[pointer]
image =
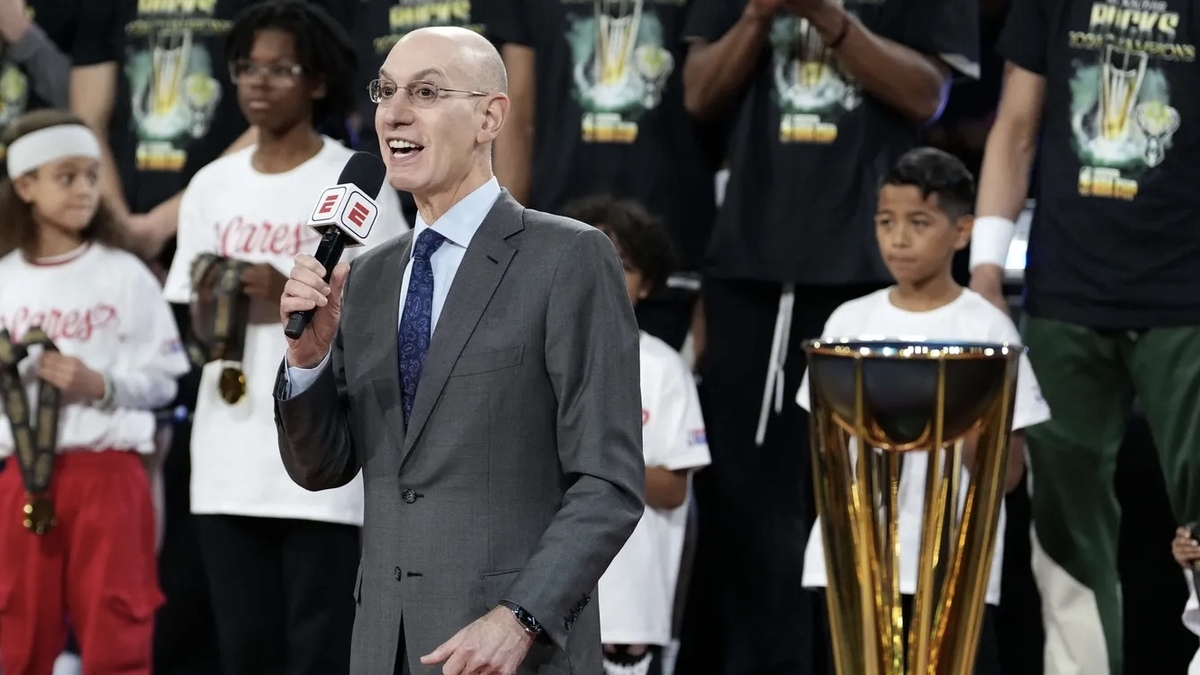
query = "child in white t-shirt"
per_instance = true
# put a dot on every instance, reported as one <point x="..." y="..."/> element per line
<point x="923" y="218"/>
<point x="1187" y="554"/>
<point x="637" y="592"/>
<point x="114" y="356"/>
<point x="281" y="560"/>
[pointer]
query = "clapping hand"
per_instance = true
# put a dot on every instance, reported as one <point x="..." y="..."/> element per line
<point x="494" y="644"/>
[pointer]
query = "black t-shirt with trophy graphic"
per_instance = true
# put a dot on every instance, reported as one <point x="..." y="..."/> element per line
<point x="1115" y="241"/>
<point x="609" y="114"/>
<point x="809" y="146"/>
<point x="177" y="109"/>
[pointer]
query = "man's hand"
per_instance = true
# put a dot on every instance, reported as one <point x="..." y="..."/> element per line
<point x="988" y="281"/>
<point x="494" y="644"/>
<point x="263" y="282"/>
<point x="760" y="9"/>
<point x="74" y="379"/>
<point x="307" y="290"/>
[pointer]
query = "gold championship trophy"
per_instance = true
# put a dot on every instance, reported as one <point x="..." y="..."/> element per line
<point x="899" y="398"/>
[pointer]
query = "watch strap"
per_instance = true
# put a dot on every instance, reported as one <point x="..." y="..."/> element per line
<point x="527" y="620"/>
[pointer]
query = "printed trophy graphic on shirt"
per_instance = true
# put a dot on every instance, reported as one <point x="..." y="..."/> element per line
<point x="1158" y="122"/>
<point x="620" y="68"/>
<point x="14" y="93"/>
<point x="1121" y="114"/>
<point x="175" y="95"/>
<point x="899" y="398"/>
<point x="811" y="89"/>
<point x="1121" y="75"/>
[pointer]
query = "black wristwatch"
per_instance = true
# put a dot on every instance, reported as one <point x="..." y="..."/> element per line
<point x="524" y="618"/>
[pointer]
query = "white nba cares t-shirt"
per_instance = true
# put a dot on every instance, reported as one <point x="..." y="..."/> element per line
<point x="637" y="593"/>
<point x="969" y="318"/>
<point x="103" y="306"/>
<point x="232" y="210"/>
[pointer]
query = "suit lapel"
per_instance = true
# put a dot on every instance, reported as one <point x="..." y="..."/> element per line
<point x="385" y="323"/>
<point x="484" y="265"/>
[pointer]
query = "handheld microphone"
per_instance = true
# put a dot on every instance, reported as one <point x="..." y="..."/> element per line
<point x="344" y="216"/>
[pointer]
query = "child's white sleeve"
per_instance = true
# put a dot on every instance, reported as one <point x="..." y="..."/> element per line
<point x="1030" y="408"/>
<point x="679" y="411"/>
<point x="194" y="235"/>
<point x="151" y="357"/>
<point x="835" y="326"/>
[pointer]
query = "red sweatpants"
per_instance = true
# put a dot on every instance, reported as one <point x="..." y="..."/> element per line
<point x="95" y="568"/>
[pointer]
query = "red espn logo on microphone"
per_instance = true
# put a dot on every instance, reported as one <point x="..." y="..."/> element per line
<point x="347" y="208"/>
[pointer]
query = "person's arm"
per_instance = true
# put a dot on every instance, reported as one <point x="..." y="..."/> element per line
<point x="666" y="489"/>
<point x="93" y="91"/>
<point x="146" y="376"/>
<point x="29" y="47"/>
<point x="593" y="368"/>
<point x="1015" y="467"/>
<point x="716" y="70"/>
<point x="312" y="422"/>
<point x="514" y="146"/>
<point x="910" y="82"/>
<point x="1004" y="179"/>
<point x="1011" y="146"/>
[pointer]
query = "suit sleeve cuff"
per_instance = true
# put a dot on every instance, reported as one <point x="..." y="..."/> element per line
<point x="298" y="380"/>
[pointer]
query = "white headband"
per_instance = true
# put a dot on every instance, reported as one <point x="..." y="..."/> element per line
<point x="49" y="145"/>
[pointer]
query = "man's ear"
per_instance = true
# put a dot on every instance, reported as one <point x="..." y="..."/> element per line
<point x="963" y="228"/>
<point x="495" y="113"/>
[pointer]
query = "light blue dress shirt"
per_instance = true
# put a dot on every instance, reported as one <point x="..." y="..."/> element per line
<point x="458" y="226"/>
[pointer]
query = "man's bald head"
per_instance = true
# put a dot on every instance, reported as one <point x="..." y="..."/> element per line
<point x="467" y="51"/>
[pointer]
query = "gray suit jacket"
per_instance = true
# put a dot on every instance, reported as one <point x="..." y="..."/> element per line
<point x="521" y="474"/>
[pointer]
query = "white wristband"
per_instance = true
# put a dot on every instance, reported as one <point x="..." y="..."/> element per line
<point x="990" y="241"/>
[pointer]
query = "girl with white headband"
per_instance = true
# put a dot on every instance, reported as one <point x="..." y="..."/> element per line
<point x="85" y="551"/>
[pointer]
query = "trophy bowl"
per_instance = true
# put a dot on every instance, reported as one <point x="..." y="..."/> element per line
<point x="900" y="387"/>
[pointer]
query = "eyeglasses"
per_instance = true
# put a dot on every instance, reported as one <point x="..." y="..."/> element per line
<point x="420" y="94"/>
<point x="276" y="73"/>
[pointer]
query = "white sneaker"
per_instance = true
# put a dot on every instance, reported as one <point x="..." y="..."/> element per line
<point x="68" y="664"/>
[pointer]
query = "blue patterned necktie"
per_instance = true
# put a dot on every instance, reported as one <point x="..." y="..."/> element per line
<point x="416" y="324"/>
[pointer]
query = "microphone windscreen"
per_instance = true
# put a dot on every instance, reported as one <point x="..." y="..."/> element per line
<point x="365" y="171"/>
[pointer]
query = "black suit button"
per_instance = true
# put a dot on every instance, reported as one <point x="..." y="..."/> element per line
<point x="409" y="496"/>
<point x="396" y="573"/>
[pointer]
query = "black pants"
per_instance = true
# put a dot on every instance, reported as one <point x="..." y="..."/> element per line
<point x="282" y="592"/>
<point x="987" y="658"/>
<point x="185" y="634"/>
<point x="747" y="611"/>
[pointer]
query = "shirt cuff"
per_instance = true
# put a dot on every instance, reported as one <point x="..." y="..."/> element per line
<point x="300" y="379"/>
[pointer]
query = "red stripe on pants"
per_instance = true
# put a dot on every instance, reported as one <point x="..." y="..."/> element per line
<point x="95" y="568"/>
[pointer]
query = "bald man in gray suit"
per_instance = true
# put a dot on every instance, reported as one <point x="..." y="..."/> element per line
<point x="482" y="372"/>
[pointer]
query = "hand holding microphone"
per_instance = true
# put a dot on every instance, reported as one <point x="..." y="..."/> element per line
<point x="344" y="215"/>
